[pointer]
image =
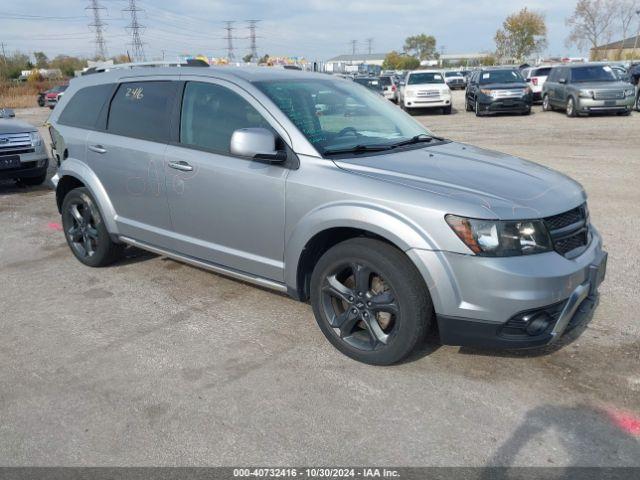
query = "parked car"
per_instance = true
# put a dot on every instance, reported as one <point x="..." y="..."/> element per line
<point x="455" y="80"/>
<point x="425" y="89"/>
<point x="42" y="101"/>
<point x="535" y="77"/>
<point x="498" y="90"/>
<point x="385" y="227"/>
<point x="587" y="88"/>
<point x="52" y="96"/>
<point x="22" y="153"/>
<point x="389" y="86"/>
<point x="372" y="83"/>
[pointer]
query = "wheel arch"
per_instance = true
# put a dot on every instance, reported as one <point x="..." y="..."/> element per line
<point x="326" y="227"/>
<point x="73" y="174"/>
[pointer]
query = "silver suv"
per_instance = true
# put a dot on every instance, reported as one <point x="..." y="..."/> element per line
<point x="582" y="89"/>
<point x="316" y="187"/>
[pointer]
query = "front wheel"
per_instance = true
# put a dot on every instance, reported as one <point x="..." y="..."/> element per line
<point x="546" y="103"/>
<point x="370" y="301"/>
<point x="571" y="107"/>
<point x="33" y="181"/>
<point x="477" y="109"/>
<point x="85" y="231"/>
<point x="447" y="110"/>
<point x="467" y="105"/>
<point x="638" y="102"/>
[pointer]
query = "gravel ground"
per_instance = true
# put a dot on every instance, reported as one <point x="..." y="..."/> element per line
<point x="151" y="362"/>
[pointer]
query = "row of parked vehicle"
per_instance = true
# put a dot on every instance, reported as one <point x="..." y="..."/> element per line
<point x="578" y="89"/>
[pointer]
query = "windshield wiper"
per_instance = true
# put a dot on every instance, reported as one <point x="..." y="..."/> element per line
<point x="358" y="149"/>
<point x="423" y="137"/>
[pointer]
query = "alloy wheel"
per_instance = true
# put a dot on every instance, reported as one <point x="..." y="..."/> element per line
<point x="545" y="103"/>
<point x="570" y="107"/>
<point x="82" y="232"/>
<point x="360" y="306"/>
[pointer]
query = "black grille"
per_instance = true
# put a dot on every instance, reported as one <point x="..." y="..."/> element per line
<point x="569" y="230"/>
<point x="4" y="152"/>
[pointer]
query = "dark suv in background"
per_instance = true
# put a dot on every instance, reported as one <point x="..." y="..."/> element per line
<point x="587" y="88"/>
<point x="498" y="90"/>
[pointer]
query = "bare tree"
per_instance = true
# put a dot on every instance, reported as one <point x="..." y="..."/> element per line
<point x="627" y="12"/>
<point x="591" y="23"/>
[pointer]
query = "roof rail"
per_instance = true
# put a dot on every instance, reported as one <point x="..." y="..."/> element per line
<point x="159" y="63"/>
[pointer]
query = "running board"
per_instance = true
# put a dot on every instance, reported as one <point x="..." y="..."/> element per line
<point x="245" y="277"/>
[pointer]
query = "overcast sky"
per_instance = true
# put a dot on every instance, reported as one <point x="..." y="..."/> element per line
<point x="316" y="29"/>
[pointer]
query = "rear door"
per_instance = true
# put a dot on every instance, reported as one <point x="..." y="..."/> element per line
<point x="128" y="157"/>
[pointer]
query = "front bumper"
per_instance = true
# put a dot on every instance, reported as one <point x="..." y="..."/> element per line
<point x="32" y="165"/>
<point x="589" y="105"/>
<point x="426" y="102"/>
<point x="481" y="301"/>
<point x="505" y="105"/>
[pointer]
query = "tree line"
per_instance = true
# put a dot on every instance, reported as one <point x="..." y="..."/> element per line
<point x="523" y="34"/>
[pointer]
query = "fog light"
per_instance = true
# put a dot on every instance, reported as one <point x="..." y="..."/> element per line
<point x="537" y="323"/>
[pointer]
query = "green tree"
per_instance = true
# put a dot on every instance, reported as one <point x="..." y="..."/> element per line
<point x="42" y="61"/>
<point x="68" y="65"/>
<point x="398" y="61"/>
<point x="122" y="58"/>
<point x="521" y="35"/>
<point x="247" y="58"/>
<point x="422" y="46"/>
<point x="12" y="65"/>
<point x="264" y="59"/>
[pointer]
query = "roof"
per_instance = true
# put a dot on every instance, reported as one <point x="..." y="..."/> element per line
<point x="248" y="74"/>
<point x="624" y="44"/>
<point x="363" y="57"/>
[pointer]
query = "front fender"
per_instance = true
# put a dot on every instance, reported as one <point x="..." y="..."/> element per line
<point x="80" y="171"/>
<point x="386" y="223"/>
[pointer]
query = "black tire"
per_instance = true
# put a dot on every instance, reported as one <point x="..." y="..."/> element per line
<point x="477" y="109"/>
<point x="638" y="102"/>
<point x="467" y="105"/>
<point x="33" y="181"/>
<point x="85" y="231"/>
<point x="387" y="282"/>
<point x="527" y="111"/>
<point x="447" y="110"/>
<point x="571" y="107"/>
<point x="546" y="103"/>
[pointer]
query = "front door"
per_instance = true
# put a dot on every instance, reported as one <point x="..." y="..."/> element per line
<point x="225" y="209"/>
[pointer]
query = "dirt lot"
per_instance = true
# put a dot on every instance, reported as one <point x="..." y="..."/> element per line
<point x="151" y="362"/>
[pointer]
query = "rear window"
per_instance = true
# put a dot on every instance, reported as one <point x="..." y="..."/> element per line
<point x="84" y="107"/>
<point x="143" y="110"/>
<point x="385" y="81"/>
<point x="541" y="72"/>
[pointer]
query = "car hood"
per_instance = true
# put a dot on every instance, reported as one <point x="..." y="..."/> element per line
<point x="490" y="184"/>
<point x="15" y="126"/>
<point x="601" y="85"/>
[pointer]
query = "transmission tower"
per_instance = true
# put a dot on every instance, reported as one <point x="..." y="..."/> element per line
<point x="229" y="37"/>
<point x="354" y="44"/>
<point x="98" y="26"/>
<point x="252" y="37"/>
<point x="369" y="45"/>
<point x="137" y="46"/>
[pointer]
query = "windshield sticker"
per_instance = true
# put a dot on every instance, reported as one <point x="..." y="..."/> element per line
<point x="485" y="76"/>
<point x="135" y="93"/>
<point x="438" y="77"/>
<point x="607" y="68"/>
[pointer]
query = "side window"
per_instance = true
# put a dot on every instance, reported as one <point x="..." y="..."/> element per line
<point x="143" y="110"/>
<point x="562" y="74"/>
<point x="210" y="115"/>
<point x="553" y="75"/>
<point x="84" y="107"/>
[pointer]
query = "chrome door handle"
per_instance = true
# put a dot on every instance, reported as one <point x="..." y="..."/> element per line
<point x="181" y="165"/>
<point x="97" y="148"/>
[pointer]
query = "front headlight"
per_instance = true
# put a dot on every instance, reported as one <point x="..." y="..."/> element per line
<point x="629" y="92"/>
<point x="586" y="93"/>
<point x="36" y="139"/>
<point x="486" y="92"/>
<point x="496" y="238"/>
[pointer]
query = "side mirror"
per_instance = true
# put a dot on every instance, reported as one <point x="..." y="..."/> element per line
<point x="258" y="143"/>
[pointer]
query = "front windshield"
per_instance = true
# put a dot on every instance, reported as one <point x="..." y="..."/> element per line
<point x="592" y="73"/>
<point x="336" y="115"/>
<point x="420" y="78"/>
<point x="501" y="76"/>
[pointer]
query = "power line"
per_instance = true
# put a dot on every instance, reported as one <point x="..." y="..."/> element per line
<point x="137" y="46"/>
<point x="252" y="37"/>
<point x="98" y="26"/>
<point x="229" y="37"/>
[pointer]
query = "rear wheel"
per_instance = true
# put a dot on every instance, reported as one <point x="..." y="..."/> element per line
<point x="85" y="231"/>
<point x="370" y="301"/>
<point x="546" y="103"/>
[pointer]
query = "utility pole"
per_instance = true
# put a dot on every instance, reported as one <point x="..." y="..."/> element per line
<point x="98" y="26"/>
<point x="134" y="28"/>
<point x="229" y="37"/>
<point x="369" y="45"/>
<point x="252" y="38"/>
